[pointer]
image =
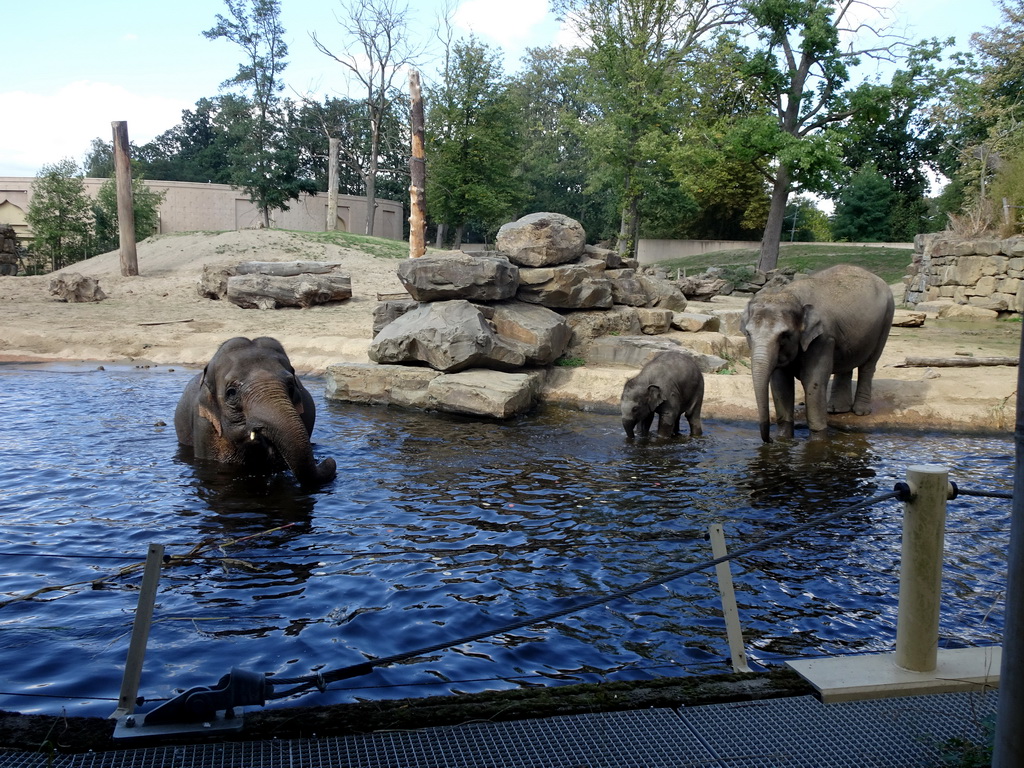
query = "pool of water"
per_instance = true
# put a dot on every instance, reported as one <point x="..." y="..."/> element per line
<point x="440" y="527"/>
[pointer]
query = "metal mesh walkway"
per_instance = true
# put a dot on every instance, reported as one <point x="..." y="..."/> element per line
<point x="793" y="732"/>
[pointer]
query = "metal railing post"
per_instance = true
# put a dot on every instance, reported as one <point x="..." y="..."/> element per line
<point x="924" y="526"/>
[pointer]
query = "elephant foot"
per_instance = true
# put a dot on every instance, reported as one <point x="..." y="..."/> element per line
<point x="840" y="407"/>
<point x="862" y="410"/>
<point x="785" y="431"/>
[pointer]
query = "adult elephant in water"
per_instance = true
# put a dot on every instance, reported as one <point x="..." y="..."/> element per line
<point x="249" y="408"/>
<point x="832" y="322"/>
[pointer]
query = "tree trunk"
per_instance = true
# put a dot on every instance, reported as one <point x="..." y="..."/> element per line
<point x="417" y="173"/>
<point x="442" y="230"/>
<point x="769" y="258"/>
<point x="459" y="232"/>
<point x="332" y="185"/>
<point x="125" y="208"/>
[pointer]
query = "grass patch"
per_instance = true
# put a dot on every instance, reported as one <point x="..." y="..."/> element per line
<point x="380" y="247"/>
<point x="888" y="263"/>
<point x="570" y="362"/>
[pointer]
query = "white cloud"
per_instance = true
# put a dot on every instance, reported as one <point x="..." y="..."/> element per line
<point x="47" y="128"/>
<point x="509" y="24"/>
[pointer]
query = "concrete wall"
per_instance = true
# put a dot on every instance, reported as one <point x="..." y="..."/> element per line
<point x="650" y="251"/>
<point x="190" y="207"/>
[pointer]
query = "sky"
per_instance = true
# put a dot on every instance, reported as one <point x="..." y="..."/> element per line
<point x="71" y="68"/>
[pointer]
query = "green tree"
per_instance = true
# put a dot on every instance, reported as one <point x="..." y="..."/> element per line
<point x="99" y="160"/>
<point x="59" y="214"/>
<point x="262" y="163"/>
<point x="728" y="188"/>
<point x="472" y="143"/>
<point x="900" y="139"/>
<point x="805" y="222"/>
<point x="199" y="148"/>
<point x="864" y="208"/>
<point x="983" y="113"/>
<point x="800" y="69"/>
<point x="633" y="54"/>
<point x="555" y="163"/>
<point x="145" y="205"/>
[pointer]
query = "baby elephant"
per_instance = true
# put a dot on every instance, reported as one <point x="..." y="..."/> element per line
<point x="670" y="385"/>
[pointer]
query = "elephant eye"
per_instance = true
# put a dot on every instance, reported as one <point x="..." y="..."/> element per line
<point x="231" y="392"/>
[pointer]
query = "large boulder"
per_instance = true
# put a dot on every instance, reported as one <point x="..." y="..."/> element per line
<point x="570" y="286"/>
<point x="541" y="240"/>
<point x="541" y="333"/>
<point x="587" y="326"/>
<point x="73" y="287"/>
<point x="485" y="393"/>
<point x="448" y="336"/>
<point x="459" y="275"/>
<point x="663" y="294"/>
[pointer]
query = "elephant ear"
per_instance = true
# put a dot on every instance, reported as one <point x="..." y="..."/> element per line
<point x="813" y="326"/>
<point x="654" y="395"/>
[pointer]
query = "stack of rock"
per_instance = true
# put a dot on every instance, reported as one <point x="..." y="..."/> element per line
<point x="478" y="330"/>
<point x="8" y="250"/>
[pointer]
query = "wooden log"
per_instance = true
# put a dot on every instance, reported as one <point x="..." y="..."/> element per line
<point x="956" y="362"/>
<point x="125" y="208"/>
<point x="286" y="268"/>
<point x="270" y="291"/>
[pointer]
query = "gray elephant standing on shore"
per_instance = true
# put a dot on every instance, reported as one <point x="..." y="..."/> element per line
<point x="832" y="322"/>
<point x="670" y="385"/>
<point x="249" y="408"/>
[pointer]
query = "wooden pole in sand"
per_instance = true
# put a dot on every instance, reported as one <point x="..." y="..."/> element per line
<point x="417" y="173"/>
<point x="332" y="185"/>
<point x="125" y="209"/>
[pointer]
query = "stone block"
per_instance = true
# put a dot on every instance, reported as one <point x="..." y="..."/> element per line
<point x="541" y="333"/>
<point x="373" y="384"/>
<point x="967" y="312"/>
<point x="988" y="302"/>
<point x="654" y="321"/>
<point x="587" y="326"/>
<point x="487" y="393"/>
<point x="564" y="287"/>
<point x="458" y="275"/>
<point x="729" y="321"/>
<point x="693" y="322"/>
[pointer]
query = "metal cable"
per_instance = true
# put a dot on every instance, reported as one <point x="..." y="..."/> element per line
<point x="320" y="681"/>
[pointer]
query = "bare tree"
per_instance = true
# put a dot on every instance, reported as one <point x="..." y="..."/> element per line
<point x="380" y="30"/>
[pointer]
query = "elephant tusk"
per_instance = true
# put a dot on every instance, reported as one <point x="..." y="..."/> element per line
<point x="252" y="436"/>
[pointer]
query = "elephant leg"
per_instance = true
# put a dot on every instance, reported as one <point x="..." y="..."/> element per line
<point x="784" y="396"/>
<point x="815" y="395"/>
<point x="841" y="400"/>
<point x="668" y="422"/>
<point x="645" y="424"/>
<point x="865" y="378"/>
<point x="693" y="419"/>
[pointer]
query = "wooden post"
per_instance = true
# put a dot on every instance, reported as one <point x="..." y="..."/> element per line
<point x="125" y="209"/>
<point x="924" y="527"/>
<point x="140" y="632"/>
<point x="417" y="173"/>
<point x="332" y="186"/>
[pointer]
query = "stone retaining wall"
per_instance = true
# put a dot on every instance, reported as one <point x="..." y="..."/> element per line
<point x="986" y="273"/>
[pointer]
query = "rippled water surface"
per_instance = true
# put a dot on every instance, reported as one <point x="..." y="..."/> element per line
<point x="437" y="528"/>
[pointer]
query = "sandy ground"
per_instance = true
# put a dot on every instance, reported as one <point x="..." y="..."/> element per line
<point x="158" y="318"/>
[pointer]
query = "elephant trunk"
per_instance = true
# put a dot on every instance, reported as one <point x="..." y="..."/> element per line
<point x="272" y="416"/>
<point x="762" y="365"/>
